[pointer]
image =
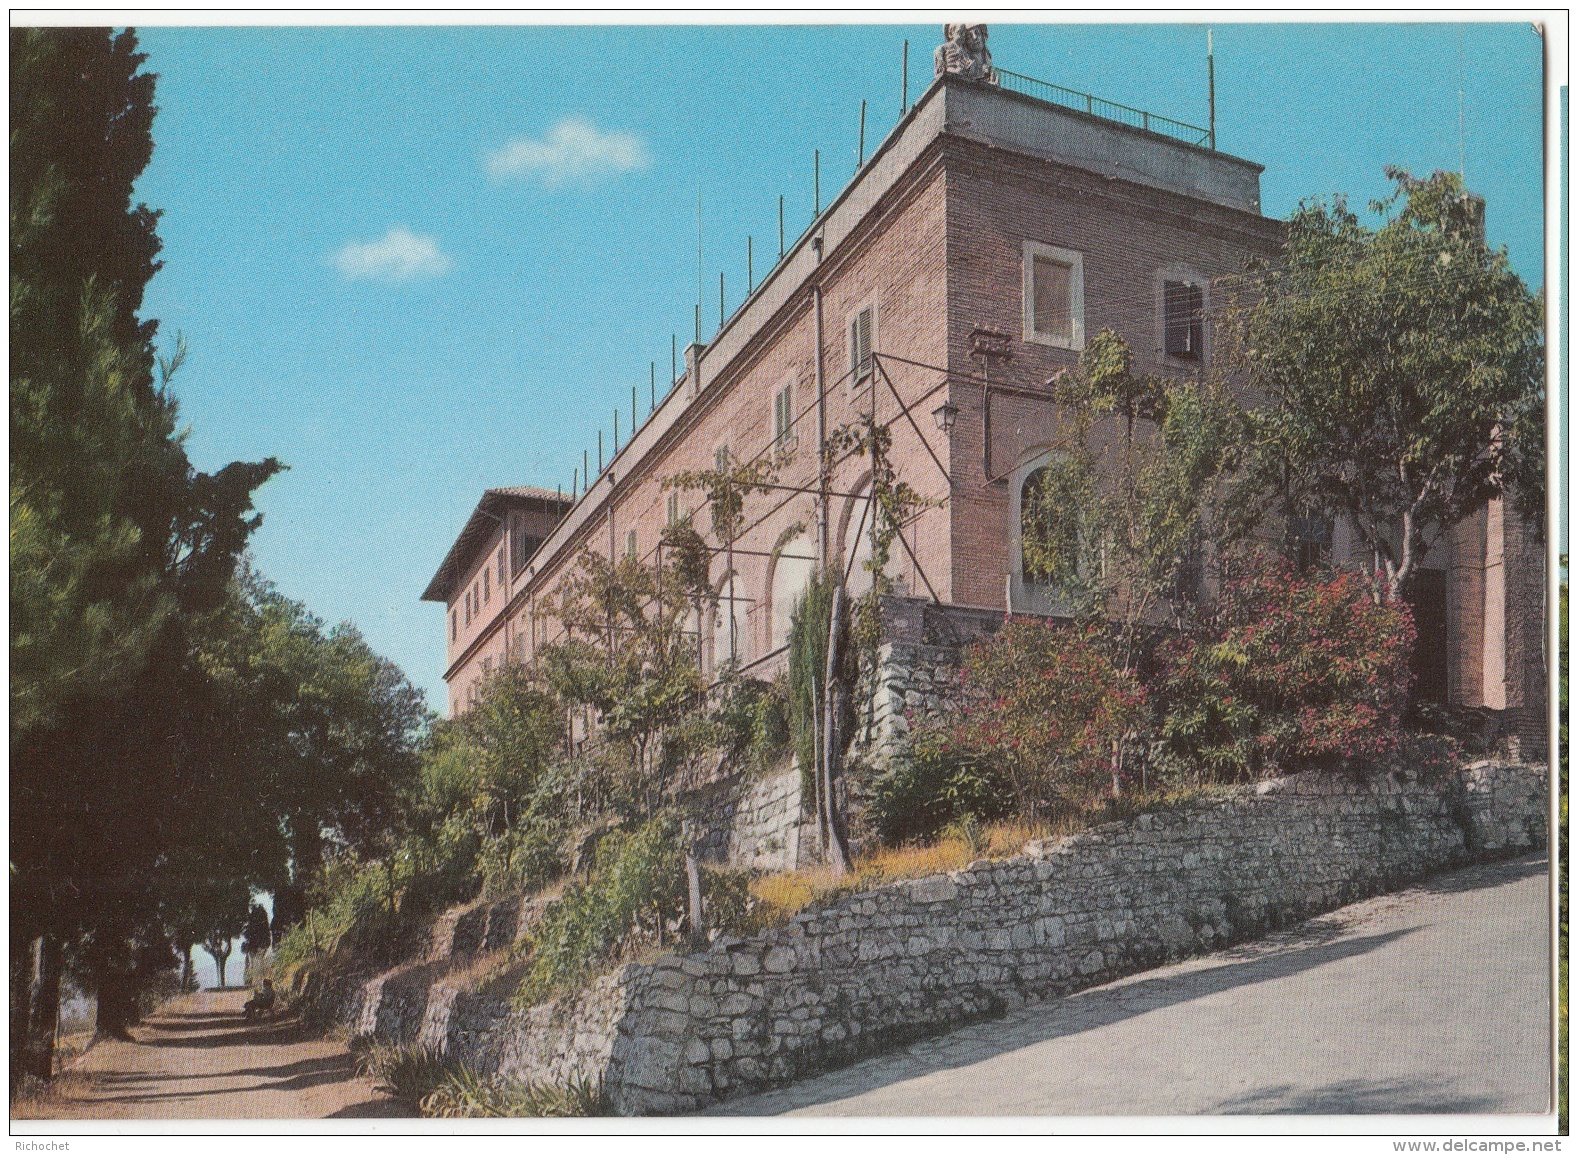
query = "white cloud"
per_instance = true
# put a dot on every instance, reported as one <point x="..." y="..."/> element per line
<point x="400" y="255"/>
<point x="572" y="150"/>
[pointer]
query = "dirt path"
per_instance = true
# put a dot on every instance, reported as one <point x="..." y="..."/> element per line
<point x="197" y="1059"/>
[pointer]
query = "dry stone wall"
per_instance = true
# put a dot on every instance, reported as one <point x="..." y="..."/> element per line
<point x="766" y="828"/>
<point x="865" y="972"/>
<point x="858" y="974"/>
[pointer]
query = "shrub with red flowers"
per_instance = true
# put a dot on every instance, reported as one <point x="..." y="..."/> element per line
<point x="1050" y="707"/>
<point x="1289" y="672"/>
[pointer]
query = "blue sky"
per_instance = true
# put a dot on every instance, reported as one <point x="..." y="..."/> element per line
<point x="414" y="263"/>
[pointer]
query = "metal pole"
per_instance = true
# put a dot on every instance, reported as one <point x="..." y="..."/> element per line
<point x="575" y="482"/>
<point x="599" y="453"/>
<point x="633" y="421"/>
<point x="652" y="385"/>
<point x="860" y="161"/>
<point x="586" y="473"/>
<point x="701" y="286"/>
<point x="816" y="181"/>
<point x="904" y="90"/>
<point x="673" y="359"/>
<point x="824" y="515"/>
<point x="1210" y="80"/>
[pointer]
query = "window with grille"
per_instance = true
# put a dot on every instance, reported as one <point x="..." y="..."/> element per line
<point x="630" y="545"/>
<point x="720" y="459"/>
<point x="1309" y="539"/>
<point x="673" y="509"/>
<point x="783" y="417"/>
<point x="860" y="345"/>
<point x="1183" y="320"/>
<point x="1054" y="296"/>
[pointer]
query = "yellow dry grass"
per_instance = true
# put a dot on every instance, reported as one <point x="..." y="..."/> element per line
<point x="784" y="894"/>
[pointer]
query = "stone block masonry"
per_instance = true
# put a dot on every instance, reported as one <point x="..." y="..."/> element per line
<point x="868" y="971"/>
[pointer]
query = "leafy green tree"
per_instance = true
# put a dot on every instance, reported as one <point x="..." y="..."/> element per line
<point x="219" y="910"/>
<point x="1404" y="365"/>
<point x="1142" y="484"/>
<point x="323" y="739"/>
<point x="117" y="543"/>
<point x="727" y="485"/>
<point x="629" y="657"/>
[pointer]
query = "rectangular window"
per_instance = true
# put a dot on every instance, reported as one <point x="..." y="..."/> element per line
<point x="1183" y="320"/>
<point x="517" y="540"/>
<point x="720" y="459"/>
<point x="630" y="545"/>
<point x="487" y="585"/>
<point x="860" y="345"/>
<point x="468" y="606"/>
<point x="1054" y="292"/>
<point x="454" y="624"/>
<point x="504" y="584"/>
<point x="783" y="416"/>
<point x="673" y="509"/>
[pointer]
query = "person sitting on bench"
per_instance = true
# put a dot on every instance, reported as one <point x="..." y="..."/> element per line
<point x="260" y="1003"/>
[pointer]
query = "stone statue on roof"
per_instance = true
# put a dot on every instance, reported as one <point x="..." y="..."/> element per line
<point x="963" y="52"/>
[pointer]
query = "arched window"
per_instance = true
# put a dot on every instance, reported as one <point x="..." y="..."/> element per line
<point x="1045" y="532"/>
<point x="791" y="574"/>
<point x="728" y="626"/>
<point x="856" y="552"/>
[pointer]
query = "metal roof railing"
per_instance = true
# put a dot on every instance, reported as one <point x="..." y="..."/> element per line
<point x="1106" y="109"/>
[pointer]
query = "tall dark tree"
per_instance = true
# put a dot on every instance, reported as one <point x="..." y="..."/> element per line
<point x="117" y="545"/>
<point x="257" y="935"/>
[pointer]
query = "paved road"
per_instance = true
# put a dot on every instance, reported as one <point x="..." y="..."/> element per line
<point x="1434" y="1000"/>
<point x="196" y="1059"/>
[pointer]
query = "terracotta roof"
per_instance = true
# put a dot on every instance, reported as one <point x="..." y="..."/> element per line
<point x="479" y="529"/>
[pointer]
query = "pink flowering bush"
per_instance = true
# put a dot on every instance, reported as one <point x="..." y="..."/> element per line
<point x="1048" y="705"/>
<point x="1289" y="672"/>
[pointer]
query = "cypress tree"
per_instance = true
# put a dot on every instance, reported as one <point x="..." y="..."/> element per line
<point x="117" y="544"/>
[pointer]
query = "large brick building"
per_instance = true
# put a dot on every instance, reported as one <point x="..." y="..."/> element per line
<point x="984" y="208"/>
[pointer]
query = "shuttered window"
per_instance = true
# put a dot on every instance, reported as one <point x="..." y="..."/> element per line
<point x="1183" y="320"/>
<point x="783" y="416"/>
<point x="1054" y="310"/>
<point x="860" y="345"/>
<point x="1054" y="296"/>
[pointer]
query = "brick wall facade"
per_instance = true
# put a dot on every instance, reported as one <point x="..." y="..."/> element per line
<point x="932" y="237"/>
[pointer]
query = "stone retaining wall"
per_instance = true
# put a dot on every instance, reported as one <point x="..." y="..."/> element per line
<point x="413" y="1002"/>
<point x="867" y="971"/>
<point x="766" y="827"/>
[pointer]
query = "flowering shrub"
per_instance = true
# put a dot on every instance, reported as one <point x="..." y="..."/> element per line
<point x="1290" y="672"/>
<point x="1047" y="704"/>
